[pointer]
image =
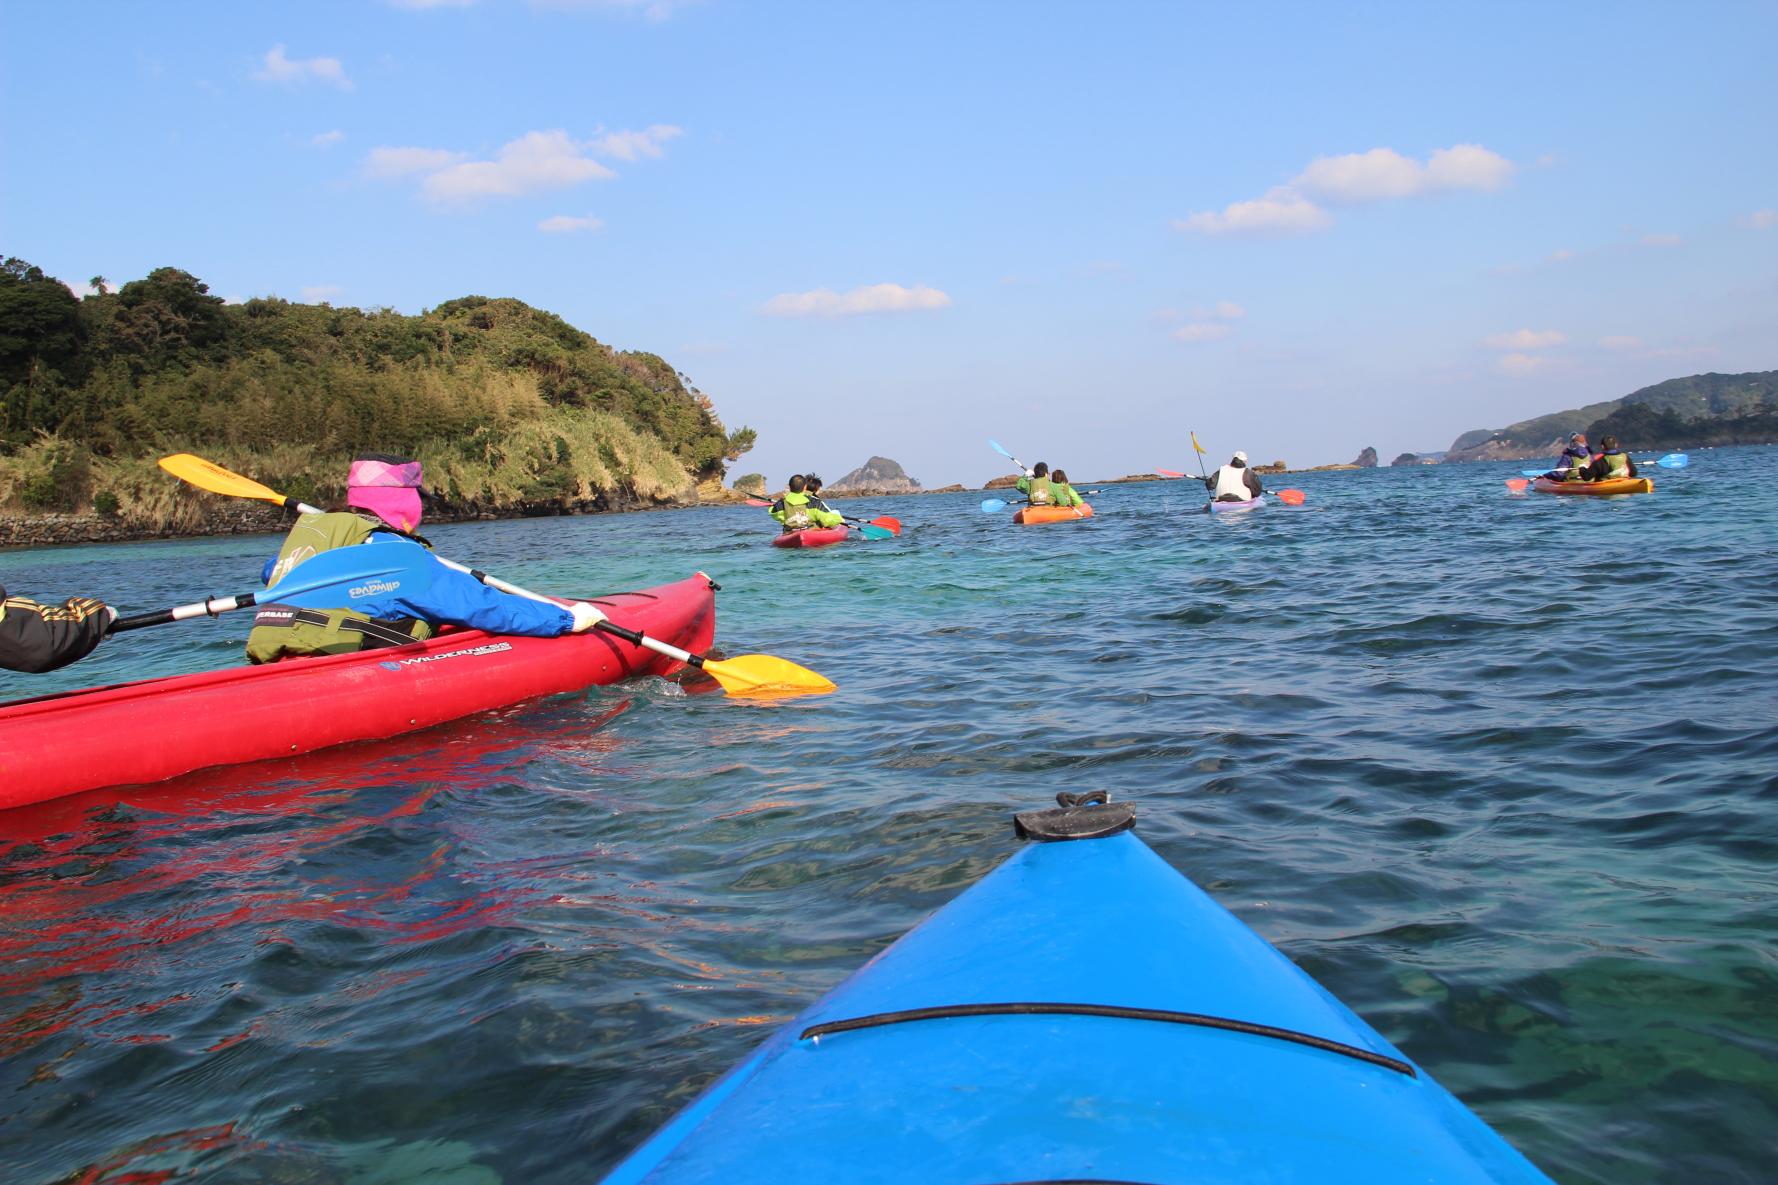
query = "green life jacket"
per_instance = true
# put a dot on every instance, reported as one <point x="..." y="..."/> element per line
<point x="797" y="515"/>
<point x="1040" y="492"/>
<point x="1616" y="465"/>
<point x="282" y="631"/>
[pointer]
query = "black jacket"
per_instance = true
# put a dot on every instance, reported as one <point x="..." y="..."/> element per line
<point x="36" y="638"/>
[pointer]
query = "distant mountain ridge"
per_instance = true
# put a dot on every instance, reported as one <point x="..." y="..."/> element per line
<point x="1702" y="409"/>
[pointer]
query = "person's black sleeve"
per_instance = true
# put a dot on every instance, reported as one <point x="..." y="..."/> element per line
<point x="1253" y="486"/>
<point x="37" y="638"/>
<point x="1632" y="461"/>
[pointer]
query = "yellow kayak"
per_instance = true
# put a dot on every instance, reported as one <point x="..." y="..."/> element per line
<point x="1611" y="485"/>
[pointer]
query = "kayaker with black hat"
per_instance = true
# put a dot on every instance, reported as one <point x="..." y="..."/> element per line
<point x="35" y="638"/>
<point x="1036" y="487"/>
<point x="382" y="510"/>
<point x="812" y="487"/>
<point x="798" y="512"/>
<point x="1612" y="462"/>
<point x="1234" y="482"/>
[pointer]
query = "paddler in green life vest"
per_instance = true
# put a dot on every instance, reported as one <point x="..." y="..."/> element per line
<point x="797" y="512"/>
<point x="382" y="509"/>
<point x="1065" y="495"/>
<point x="1036" y="487"/>
<point x="1612" y="462"/>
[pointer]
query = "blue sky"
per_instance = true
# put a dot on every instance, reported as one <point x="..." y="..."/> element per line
<point x="1081" y="229"/>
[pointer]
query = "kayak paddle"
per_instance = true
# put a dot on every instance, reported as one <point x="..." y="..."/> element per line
<point x="995" y="445"/>
<point x="1169" y="473"/>
<point x="1670" y="461"/>
<point x="320" y="582"/>
<point x="750" y="674"/>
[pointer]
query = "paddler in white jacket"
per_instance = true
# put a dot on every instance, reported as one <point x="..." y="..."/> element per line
<point x="1234" y="482"/>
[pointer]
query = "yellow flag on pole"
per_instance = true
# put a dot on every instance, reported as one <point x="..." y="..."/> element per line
<point x="1195" y="443"/>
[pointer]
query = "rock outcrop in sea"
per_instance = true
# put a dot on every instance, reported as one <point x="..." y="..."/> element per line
<point x="1367" y="459"/>
<point x="879" y="475"/>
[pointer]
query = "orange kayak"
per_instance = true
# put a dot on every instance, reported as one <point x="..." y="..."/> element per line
<point x="1611" y="485"/>
<point x="1052" y="514"/>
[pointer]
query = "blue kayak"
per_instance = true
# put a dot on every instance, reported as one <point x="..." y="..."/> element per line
<point x="1084" y="1013"/>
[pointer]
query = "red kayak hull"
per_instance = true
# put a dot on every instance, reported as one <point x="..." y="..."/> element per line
<point x="811" y="537"/>
<point x="155" y="729"/>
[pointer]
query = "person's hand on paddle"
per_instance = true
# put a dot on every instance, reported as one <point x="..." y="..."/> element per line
<point x="585" y="616"/>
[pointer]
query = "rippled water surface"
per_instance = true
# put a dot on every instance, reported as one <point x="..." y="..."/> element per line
<point x="1502" y="772"/>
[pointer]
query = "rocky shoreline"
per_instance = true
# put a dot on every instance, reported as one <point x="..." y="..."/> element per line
<point x="261" y="518"/>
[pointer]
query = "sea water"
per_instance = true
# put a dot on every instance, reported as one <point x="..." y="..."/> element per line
<point x="1499" y="770"/>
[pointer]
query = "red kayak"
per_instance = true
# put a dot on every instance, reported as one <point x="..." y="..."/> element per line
<point x="155" y="729"/>
<point x="811" y="537"/>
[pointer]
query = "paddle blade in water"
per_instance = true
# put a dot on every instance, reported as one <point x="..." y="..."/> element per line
<point x="765" y="675"/>
<point x="1517" y="484"/>
<point x="207" y="475"/>
<point x="990" y="505"/>
<point x="892" y="525"/>
<point x="1290" y="497"/>
<point x="1674" y="461"/>
<point x="872" y="531"/>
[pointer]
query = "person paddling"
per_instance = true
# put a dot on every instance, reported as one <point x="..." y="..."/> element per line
<point x="1612" y="462"/>
<point x="1036" y="487"/>
<point x="1573" y="460"/>
<point x="37" y="638"/>
<point x="382" y="510"/>
<point x="812" y="487"/>
<point x="797" y="512"/>
<point x="1234" y="482"/>
<point x="1065" y="494"/>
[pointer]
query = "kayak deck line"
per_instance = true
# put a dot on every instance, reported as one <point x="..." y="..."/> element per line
<point x="1116" y="1011"/>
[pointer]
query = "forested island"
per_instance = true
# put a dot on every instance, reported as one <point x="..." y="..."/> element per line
<point x="1694" y="412"/>
<point x="511" y="409"/>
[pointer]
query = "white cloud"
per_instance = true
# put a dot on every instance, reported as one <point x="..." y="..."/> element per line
<point x="568" y="223"/>
<point x="327" y="139"/>
<point x="321" y="292"/>
<point x="1661" y="240"/>
<point x="534" y="162"/>
<point x="1201" y="331"/>
<point x="1468" y="166"/>
<point x="1622" y="341"/>
<point x="399" y="162"/>
<point x="874" y="298"/>
<point x="1229" y="310"/>
<point x="1353" y="179"/>
<point x="1526" y="339"/>
<point x="275" y="67"/>
<point x="1280" y="212"/>
<point x="1559" y="255"/>
<point x="1522" y="364"/>
<point x="1362" y="176"/>
<point x="654" y="10"/>
<point x="1759" y="220"/>
<point x="635" y="145"/>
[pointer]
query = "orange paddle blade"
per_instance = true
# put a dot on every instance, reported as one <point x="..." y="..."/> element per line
<point x="892" y="525"/>
<point x="1169" y="473"/>
<point x="207" y="475"/>
<point x="1291" y="497"/>
<point x="1517" y="484"/>
<point x="765" y="675"/>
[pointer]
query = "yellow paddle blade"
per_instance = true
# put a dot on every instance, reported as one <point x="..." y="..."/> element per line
<point x="207" y="475"/>
<point x="764" y="675"/>
<point x="1195" y="443"/>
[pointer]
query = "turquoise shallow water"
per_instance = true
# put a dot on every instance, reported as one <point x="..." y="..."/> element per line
<point x="1525" y="824"/>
